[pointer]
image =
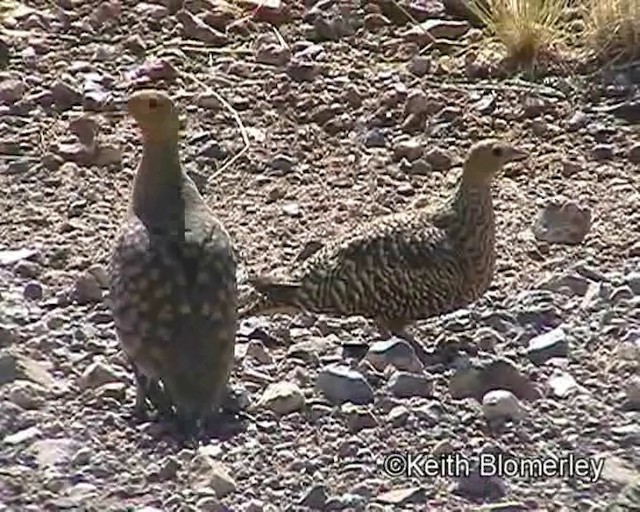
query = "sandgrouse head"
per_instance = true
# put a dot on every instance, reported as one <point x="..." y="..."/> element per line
<point x="487" y="157"/>
<point x="155" y="114"/>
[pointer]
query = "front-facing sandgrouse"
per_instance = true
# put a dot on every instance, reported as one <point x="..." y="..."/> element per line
<point x="402" y="267"/>
<point x="173" y="279"/>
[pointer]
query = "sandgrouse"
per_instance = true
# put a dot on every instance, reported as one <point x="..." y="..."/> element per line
<point x="173" y="279"/>
<point x="402" y="267"/>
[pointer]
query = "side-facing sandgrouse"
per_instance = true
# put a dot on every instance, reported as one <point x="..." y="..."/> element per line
<point x="173" y="279"/>
<point x="402" y="267"/>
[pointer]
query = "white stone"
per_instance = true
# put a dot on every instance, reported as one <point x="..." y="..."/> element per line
<point x="501" y="404"/>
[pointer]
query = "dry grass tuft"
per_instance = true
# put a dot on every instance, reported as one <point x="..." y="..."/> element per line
<point x="613" y="28"/>
<point x="7" y="8"/>
<point x="531" y="30"/>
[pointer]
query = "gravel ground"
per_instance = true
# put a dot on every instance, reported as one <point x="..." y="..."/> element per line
<point x="348" y="114"/>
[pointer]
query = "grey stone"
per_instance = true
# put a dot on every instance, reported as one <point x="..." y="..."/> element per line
<point x="11" y="256"/>
<point x="417" y="102"/>
<point x="302" y="71"/>
<point x="26" y="394"/>
<point x="257" y="350"/>
<point x="632" y="280"/>
<point x="576" y="121"/>
<point x="33" y="290"/>
<point x="562" y="384"/>
<point x="271" y="52"/>
<point x="439" y="159"/>
<point x="214" y="474"/>
<point x="375" y="138"/>
<point x="621" y="294"/>
<point x="54" y="452"/>
<point x="420" y="65"/>
<point x="342" y="384"/>
<point x="97" y="374"/>
<point x="399" y="415"/>
<point x="292" y="210"/>
<point x="8" y="335"/>
<point x="634" y="154"/>
<point x="22" y="436"/>
<point x="603" y="151"/>
<point x="315" y="498"/>
<point x="420" y="167"/>
<point x="550" y="344"/>
<point x="411" y="149"/>
<point x="632" y="392"/>
<point x="403" y="496"/>
<point x="395" y="352"/>
<point x="282" y="398"/>
<point x="472" y="379"/>
<point x="563" y="222"/>
<point x="500" y="404"/>
<point x="359" y="417"/>
<point x="13" y="367"/>
<point x="87" y="289"/>
<point x="405" y="384"/>
<point x="283" y="163"/>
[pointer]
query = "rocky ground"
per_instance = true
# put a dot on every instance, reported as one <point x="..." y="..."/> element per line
<point x="348" y="112"/>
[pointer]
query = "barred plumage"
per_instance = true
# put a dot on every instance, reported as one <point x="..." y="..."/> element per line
<point x="402" y="267"/>
<point x="173" y="278"/>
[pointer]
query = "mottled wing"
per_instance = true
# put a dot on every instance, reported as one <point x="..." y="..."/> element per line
<point x="397" y="267"/>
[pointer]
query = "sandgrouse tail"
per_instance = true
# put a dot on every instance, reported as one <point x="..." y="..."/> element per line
<point x="173" y="279"/>
<point x="402" y="267"/>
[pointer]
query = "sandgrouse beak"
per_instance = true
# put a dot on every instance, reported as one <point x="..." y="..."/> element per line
<point x="514" y="154"/>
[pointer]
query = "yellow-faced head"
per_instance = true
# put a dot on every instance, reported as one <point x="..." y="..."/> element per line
<point x="487" y="157"/>
<point x="155" y="114"/>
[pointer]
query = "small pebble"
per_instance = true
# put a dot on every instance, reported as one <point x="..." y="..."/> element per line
<point x="632" y="392"/>
<point x="87" y="288"/>
<point x="399" y="415"/>
<point x="28" y="269"/>
<point x="545" y="346"/>
<point x="27" y="395"/>
<point x="405" y="385"/>
<point x="411" y="149"/>
<point x="563" y="222"/>
<point x="359" y="417"/>
<point x="576" y="121"/>
<point x="417" y="102"/>
<point x="375" y="138"/>
<point x="632" y="280"/>
<point x="395" y="352"/>
<point x="634" y="154"/>
<point x="282" y="163"/>
<point x="439" y="159"/>
<point x="292" y="210"/>
<point x="315" y="498"/>
<point x="501" y="404"/>
<point x="97" y="374"/>
<point x="603" y="152"/>
<point x="420" y="65"/>
<point x="282" y="398"/>
<point x="341" y="384"/>
<point x="33" y="291"/>
<point x="420" y="167"/>
<point x="562" y="384"/>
